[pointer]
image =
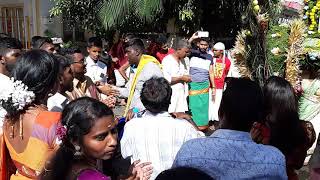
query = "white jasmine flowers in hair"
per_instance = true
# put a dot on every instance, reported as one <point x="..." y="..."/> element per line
<point x="17" y="94"/>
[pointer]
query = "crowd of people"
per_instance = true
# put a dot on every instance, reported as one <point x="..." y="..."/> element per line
<point x="183" y="117"/>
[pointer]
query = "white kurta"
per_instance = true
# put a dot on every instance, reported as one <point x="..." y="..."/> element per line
<point x="172" y="68"/>
<point x="156" y="139"/>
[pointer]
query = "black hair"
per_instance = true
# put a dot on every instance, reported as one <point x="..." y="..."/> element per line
<point x="79" y="116"/>
<point x="64" y="62"/>
<point x="7" y="43"/>
<point x="68" y="52"/>
<point x="41" y="41"/>
<point x="135" y="43"/>
<point x="241" y="104"/>
<point x="281" y="115"/>
<point x="38" y="70"/>
<point x="206" y="39"/>
<point x="34" y="39"/>
<point x="156" y="95"/>
<point x="279" y="97"/>
<point x="129" y="36"/>
<point x="161" y="40"/>
<point x="185" y="173"/>
<point x="94" y="41"/>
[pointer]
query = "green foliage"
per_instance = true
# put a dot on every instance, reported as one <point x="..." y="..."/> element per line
<point x="276" y="62"/>
<point x="100" y="16"/>
<point x="67" y="44"/>
<point x="79" y="14"/>
<point x="115" y="12"/>
<point x="187" y="14"/>
<point x="49" y="34"/>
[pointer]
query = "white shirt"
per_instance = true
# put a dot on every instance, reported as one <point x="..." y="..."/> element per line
<point x="173" y="68"/>
<point x="156" y="139"/>
<point x="96" y="71"/>
<point x="4" y="81"/>
<point x="57" y="102"/>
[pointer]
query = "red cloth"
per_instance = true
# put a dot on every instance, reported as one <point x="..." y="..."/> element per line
<point x="220" y="72"/>
<point x="153" y="49"/>
<point x="118" y="51"/>
<point x="160" y="55"/>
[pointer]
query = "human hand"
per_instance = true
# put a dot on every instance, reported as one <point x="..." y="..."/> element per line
<point x="186" y="78"/>
<point x="98" y="83"/>
<point x="195" y="36"/>
<point x="213" y="94"/>
<point x="108" y="90"/>
<point x="181" y="115"/>
<point x="185" y="116"/>
<point x="257" y="133"/>
<point x="140" y="171"/>
<point x="110" y="101"/>
<point x="115" y="59"/>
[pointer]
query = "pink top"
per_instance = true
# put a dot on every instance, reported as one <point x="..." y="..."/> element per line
<point x="90" y="174"/>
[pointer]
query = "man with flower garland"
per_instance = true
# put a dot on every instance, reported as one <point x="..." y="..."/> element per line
<point x="10" y="50"/>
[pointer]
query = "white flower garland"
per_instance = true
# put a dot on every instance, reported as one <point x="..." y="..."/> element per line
<point x="16" y="93"/>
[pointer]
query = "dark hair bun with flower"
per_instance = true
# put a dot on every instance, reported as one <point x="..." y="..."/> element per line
<point x="14" y="97"/>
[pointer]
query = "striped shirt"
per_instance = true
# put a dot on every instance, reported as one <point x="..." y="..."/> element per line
<point x="156" y="139"/>
<point x="200" y="65"/>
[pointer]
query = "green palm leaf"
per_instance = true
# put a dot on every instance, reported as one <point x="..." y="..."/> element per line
<point x="114" y="11"/>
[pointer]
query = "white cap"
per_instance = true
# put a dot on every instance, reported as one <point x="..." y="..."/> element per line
<point x="219" y="46"/>
<point x="57" y="40"/>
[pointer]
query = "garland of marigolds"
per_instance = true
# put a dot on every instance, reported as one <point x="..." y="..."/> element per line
<point x="312" y="14"/>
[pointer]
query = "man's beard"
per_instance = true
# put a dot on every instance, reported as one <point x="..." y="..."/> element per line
<point x="202" y="50"/>
<point x="10" y="67"/>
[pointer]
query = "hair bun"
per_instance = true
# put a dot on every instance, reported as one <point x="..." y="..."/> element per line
<point x="15" y="96"/>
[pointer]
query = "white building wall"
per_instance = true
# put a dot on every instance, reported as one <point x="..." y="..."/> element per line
<point x="36" y="17"/>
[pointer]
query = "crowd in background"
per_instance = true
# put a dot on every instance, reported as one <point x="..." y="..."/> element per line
<point x="183" y="116"/>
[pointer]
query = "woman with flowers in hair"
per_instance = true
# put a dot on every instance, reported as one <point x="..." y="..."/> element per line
<point x="89" y="135"/>
<point x="29" y="130"/>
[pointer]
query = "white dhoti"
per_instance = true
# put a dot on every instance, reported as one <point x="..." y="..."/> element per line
<point x="178" y="99"/>
<point x="214" y="105"/>
<point x="211" y="107"/>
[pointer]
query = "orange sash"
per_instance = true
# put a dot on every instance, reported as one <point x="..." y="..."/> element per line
<point x="7" y="167"/>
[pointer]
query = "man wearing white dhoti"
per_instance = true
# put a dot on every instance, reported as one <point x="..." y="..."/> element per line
<point x="176" y="73"/>
<point x="221" y="69"/>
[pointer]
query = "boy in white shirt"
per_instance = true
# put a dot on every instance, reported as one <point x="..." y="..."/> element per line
<point x="96" y="69"/>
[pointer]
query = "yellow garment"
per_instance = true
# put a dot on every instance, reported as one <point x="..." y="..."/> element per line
<point x="41" y="145"/>
<point x="145" y="59"/>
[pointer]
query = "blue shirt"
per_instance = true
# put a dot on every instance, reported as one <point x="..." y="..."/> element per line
<point x="199" y="65"/>
<point x="229" y="154"/>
